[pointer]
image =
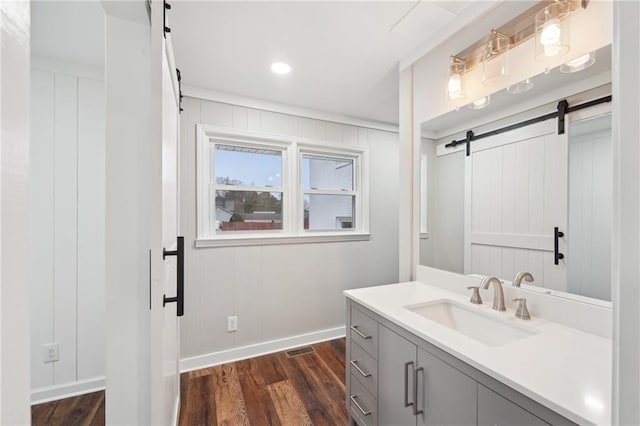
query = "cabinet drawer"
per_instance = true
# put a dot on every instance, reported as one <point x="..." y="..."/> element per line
<point x="362" y="405"/>
<point x="364" y="332"/>
<point x="365" y="368"/>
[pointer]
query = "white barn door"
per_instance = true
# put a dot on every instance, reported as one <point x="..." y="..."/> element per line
<point x="168" y="261"/>
<point x="516" y="187"/>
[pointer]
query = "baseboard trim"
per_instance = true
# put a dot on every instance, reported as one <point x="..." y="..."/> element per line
<point x="67" y="390"/>
<point x="264" y="348"/>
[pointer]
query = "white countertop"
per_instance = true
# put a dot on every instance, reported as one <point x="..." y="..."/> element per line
<point x="564" y="369"/>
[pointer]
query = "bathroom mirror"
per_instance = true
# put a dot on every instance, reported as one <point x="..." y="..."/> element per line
<point x="495" y="212"/>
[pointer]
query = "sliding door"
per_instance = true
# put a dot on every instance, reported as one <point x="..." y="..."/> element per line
<point x="516" y="187"/>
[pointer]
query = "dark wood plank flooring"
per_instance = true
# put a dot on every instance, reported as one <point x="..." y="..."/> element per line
<point x="83" y="410"/>
<point x="306" y="389"/>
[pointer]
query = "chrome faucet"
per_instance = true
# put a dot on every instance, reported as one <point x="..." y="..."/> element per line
<point x="520" y="276"/>
<point x="498" y="294"/>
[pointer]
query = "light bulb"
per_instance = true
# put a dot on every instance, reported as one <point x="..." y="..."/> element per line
<point x="550" y="37"/>
<point x="454" y="87"/>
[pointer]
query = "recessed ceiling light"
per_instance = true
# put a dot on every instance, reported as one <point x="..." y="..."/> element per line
<point x="280" y="68"/>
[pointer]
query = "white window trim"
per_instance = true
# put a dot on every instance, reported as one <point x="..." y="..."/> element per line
<point x="292" y="148"/>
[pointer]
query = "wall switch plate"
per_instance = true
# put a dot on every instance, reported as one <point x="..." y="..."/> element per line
<point x="51" y="352"/>
<point x="232" y="323"/>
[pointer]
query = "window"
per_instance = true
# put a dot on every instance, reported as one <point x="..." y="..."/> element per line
<point x="247" y="189"/>
<point x="328" y="192"/>
<point x="259" y="189"/>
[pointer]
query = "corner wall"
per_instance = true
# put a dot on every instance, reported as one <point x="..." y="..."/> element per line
<point x="283" y="295"/>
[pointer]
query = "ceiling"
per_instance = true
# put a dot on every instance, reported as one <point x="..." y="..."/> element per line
<point x="343" y="54"/>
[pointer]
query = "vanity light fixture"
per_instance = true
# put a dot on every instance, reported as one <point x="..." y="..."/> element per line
<point x="495" y="59"/>
<point x="552" y="30"/>
<point x="280" y="68"/>
<point x="480" y="103"/>
<point x="578" y="64"/>
<point x="455" y="88"/>
<point x="520" y="87"/>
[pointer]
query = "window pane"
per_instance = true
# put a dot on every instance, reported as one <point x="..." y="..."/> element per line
<point x="248" y="210"/>
<point x="327" y="173"/>
<point x="329" y="211"/>
<point x="235" y="165"/>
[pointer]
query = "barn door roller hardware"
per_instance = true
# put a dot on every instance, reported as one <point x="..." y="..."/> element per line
<point x="562" y="110"/>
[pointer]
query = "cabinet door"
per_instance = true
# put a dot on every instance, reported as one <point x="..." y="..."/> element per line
<point x="446" y="396"/>
<point x="393" y="353"/>
<point x="494" y="410"/>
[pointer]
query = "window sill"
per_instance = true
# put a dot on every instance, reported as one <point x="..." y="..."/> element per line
<point x="253" y="240"/>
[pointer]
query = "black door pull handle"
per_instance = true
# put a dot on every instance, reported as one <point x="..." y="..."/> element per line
<point x="179" y="298"/>
<point x="557" y="256"/>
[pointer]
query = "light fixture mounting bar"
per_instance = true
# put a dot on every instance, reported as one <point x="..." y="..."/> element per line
<point x="518" y="30"/>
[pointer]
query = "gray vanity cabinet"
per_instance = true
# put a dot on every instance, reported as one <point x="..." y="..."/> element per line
<point x="406" y="373"/>
<point x="391" y="372"/>
<point x="494" y="410"/>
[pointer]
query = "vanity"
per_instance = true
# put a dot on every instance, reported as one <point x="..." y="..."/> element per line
<point x="422" y="354"/>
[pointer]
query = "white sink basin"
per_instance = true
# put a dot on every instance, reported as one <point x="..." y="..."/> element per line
<point x="472" y="322"/>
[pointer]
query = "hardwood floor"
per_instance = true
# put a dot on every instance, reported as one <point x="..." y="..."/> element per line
<point x="307" y="389"/>
<point x="276" y="389"/>
<point x="83" y="410"/>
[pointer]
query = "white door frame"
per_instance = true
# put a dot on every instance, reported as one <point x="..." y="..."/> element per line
<point x="15" y="385"/>
<point x="625" y="260"/>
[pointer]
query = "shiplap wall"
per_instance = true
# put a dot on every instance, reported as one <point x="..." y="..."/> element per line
<point x="67" y="222"/>
<point x="590" y="195"/>
<point x="280" y="291"/>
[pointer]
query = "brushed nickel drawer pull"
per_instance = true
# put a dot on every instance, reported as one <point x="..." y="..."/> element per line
<point x="362" y="410"/>
<point x="416" y="411"/>
<point x="357" y="367"/>
<point x="406" y="384"/>
<point x="360" y="333"/>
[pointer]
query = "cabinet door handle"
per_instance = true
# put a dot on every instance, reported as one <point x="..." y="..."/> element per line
<point x="362" y="410"/>
<point x="406" y="383"/>
<point x="415" y="390"/>
<point x="357" y="367"/>
<point x="360" y="333"/>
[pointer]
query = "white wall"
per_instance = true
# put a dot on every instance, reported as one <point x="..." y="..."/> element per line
<point x="444" y="248"/>
<point x="280" y="291"/>
<point x="590" y="195"/>
<point x="67" y="223"/>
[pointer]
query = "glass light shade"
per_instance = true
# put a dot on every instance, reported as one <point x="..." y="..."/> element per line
<point x="553" y="30"/>
<point x="495" y="61"/>
<point x="578" y="64"/>
<point x="520" y="87"/>
<point x="455" y="89"/>
<point x="480" y="103"/>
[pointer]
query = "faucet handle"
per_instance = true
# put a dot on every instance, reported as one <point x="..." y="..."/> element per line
<point x="522" y="312"/>
<point x="475" y="296"/>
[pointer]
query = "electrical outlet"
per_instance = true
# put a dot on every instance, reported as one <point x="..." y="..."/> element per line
<point x="51" y="352"/>
<point x="232" y="323"/>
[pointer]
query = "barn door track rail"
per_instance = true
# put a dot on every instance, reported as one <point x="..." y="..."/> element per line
<point x="562" y="110"/>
